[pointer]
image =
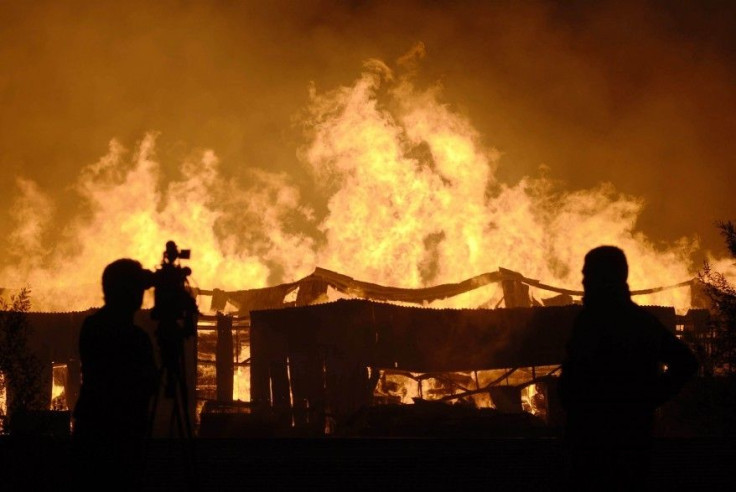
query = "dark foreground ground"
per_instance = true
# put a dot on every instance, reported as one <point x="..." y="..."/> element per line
<point x="379" y="464"/>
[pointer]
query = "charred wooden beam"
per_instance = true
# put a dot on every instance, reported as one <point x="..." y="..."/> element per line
<point x="224" y="358"/>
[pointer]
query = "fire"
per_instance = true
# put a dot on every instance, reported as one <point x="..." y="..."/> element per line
<point x="414" y="200"/>
<point x="131" y="215"/>
<point x="241" y="378"/>
<point x="58" y="387"/>
<point x="408" y="197"/>
<point x="533" y="400"/>
<point x="3" y="396"/>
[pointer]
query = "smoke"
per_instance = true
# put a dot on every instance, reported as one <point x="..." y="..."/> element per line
<point x="31" y="212"/>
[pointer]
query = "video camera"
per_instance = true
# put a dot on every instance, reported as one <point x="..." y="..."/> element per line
<point x="173" y="300"/>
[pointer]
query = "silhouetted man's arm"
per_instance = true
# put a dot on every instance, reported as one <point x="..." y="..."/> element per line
<point x="681" y="366"/>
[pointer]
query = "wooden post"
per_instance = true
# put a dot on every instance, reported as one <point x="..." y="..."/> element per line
<point x="73" y="382"/>
<point x="190" y="374"/>
<point x="280" y="390"/>
<point x="224" y="358"/>
<point x="307" y="386"/>
<point x="260" y="383"/>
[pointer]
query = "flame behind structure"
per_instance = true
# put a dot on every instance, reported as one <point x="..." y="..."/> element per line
<point x="403" y="193"/>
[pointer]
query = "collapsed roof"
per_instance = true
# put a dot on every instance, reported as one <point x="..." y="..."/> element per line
<point x="314" y="286"/>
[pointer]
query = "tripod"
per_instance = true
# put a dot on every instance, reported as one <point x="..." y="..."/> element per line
<point x="172" y="378"/>
<point x="172" y="375"/>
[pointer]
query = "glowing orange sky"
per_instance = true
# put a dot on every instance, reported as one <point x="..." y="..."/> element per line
<point x="637" y="94"/>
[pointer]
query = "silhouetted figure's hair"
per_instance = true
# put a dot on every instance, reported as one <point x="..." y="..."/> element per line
<point x="605" y="272"/>
<point x="613" y="378"/>
<point x="606" y="264"/>
<point x="123" y="283"/>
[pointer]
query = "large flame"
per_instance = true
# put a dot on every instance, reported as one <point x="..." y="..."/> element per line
<point x="239" y="236"/>
<point x="410" y="196"/>
<point x="414" y="200"/>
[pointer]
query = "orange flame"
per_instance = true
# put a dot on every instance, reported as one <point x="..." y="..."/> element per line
<point x="411" y="200"/>
<point x="416" y="202"/>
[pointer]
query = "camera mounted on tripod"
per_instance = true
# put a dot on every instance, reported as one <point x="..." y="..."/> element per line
<point x="173" y="300"/>
<point x="175" y="309"/>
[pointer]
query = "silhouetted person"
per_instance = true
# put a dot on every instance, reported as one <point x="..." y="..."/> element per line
<point x="119" y="377"/>
<point x="614" y="378"/>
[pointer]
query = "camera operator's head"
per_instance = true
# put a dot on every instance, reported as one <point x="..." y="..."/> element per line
<point x="123" y="283"/>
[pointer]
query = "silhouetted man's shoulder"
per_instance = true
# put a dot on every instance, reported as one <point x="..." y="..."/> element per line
<point x="105" y="325"/>
<point x="668" y="344"/>
<point x="644" y="316"/>
<point x="626" y="320"/>
<point x="642" y="319"/>
<point x="103" y="317"/>
<point x="98" y="324"/>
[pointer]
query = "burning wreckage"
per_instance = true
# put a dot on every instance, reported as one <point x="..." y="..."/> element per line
<point x="286" y="362"/>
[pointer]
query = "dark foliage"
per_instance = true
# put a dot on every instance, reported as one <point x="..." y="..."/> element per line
<point x="22" y="369"/>
<point x="723" y="308"/>
<point x="728" y="231"/>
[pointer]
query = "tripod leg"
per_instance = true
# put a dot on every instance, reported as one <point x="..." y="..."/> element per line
<point x="185" y="425"/>
<point x="174" y="419"/>
<point x="176" y="415"/>
<point x="154" y="406"/>
<point x="184" y="400"/>
<point x="151" y="422"/>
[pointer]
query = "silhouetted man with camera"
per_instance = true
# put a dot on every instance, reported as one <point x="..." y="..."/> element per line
<point x="119" y="377"/>
<point x="621" y="364"/>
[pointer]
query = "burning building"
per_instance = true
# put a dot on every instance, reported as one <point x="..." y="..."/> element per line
<point x="311" y="355"/>
<point x="318" y="364"/>
<point x="402" y="163"/>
